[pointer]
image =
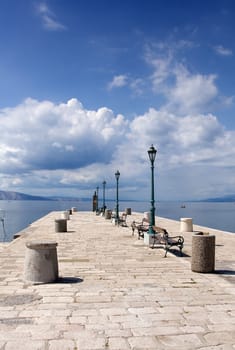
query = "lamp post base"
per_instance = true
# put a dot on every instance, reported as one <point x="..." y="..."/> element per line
<point x="148" y="239"/>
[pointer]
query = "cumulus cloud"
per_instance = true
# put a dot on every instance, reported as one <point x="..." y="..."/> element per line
<point x="47" y="148"/>
<point x="192" y="93"/>
<point x="49" y="19"/>
<point x="43" y="135"/>
<point x="182" y="140"/>
<point x="194" y="154"/>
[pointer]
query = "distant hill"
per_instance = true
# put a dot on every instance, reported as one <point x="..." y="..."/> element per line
<point x="228" y="198"/>
<point x="9" y="195"/>
<point x="62" y="198"/>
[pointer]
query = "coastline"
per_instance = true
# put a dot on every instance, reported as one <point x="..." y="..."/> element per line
<point x="20" y="214"/>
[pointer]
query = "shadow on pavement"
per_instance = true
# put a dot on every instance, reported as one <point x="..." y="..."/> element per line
<point x="225" y="272"/>
<point x="69" y="280"/>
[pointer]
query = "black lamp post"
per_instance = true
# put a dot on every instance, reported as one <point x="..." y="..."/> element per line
<point x="117" y="175"/>
<point x="97" y="204"/>
<point x="152" y="154"/>
<point x="104" y="207"/>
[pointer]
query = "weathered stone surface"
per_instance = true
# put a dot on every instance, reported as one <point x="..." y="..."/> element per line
<point x="203" y="253"/>
<point x="115" y="294"/>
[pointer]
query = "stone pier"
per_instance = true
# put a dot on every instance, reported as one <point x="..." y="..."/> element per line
<point x="114" y="292"/>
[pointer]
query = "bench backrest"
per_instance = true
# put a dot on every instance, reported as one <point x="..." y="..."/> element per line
<point x="145" y="222"/>
<point x="160" y="230"/>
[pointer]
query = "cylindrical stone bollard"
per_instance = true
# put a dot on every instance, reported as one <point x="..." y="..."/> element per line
<point x="186" y="225"/>
<point x="128" y="211"/>
<point x="41" y="263"/>
<point x="107" y="214"/>
<point x="65" y="215"/>
<point x="203" y="252"/>
<point x="147" y="215"/>
<point x="60" y="225"/>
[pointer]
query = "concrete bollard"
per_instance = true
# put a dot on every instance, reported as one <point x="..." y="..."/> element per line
<point x="203" y="252"/>
<point x="128" y="211"/>
<point x="186" y="225"/>
<point x="107" y="214"/>
<point x="60" y="225"/>
<point x="41" y="264"/>
<point x="65" y="215"/>
<point x="147" y="215"/>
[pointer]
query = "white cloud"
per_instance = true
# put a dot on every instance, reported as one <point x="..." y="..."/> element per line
<point x="222" y="51"/>
<point x="44" y="135"/>
<point x="118" y="81"/>
<point x="184" y="91"/>
<point x="135" y="85"/>
<point x="47" y="147"/>
<point x="180" y="137"/>
<point x="161" y="64"/>
<point x="192" y="93"/>
<point x="49" y="19"/>
<point x="161" y="72"/>
<point x="194" y="152"/>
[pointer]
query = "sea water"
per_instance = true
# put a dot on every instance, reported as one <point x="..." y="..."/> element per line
<point x="17" y="215"/>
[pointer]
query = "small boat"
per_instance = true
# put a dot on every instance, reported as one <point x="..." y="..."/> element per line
<point x="183" y="206"/>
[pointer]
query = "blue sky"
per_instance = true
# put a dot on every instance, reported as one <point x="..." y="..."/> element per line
<point x="87" y="86"/>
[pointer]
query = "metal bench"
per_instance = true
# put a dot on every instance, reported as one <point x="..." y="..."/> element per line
<point x="140" y="227"/>
<point x="122" y="220"/>
<point x="161" y="237"/>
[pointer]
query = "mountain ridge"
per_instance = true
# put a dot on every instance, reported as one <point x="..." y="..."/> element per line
<point x="227" y="198"/>
<point x="11" y="195"/>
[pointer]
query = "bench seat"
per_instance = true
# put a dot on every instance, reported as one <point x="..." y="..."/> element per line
<point x="161" y="236"/>
<point x="140" y="227"/>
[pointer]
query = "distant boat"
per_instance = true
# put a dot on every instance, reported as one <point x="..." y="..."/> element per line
<point x="183" y="206"/>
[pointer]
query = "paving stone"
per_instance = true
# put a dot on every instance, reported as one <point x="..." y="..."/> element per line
<point x="154" y="331"/>
<point x="84" y="312"/>
<point x="9" y="333"/>
<point x="142" y="343"/>
<point x="218" y="337"/>
<point x="96" y="343"/>
<point x="115" y="292"/>
<point x="218" y="347"/>
<point x="62" y="344"/>
<point x="185" y="341"/>
<point x="118" y="333"/>
<point x="117" y="343"/>
<point x="52" y="320"/>
<point x="25" y="345"/>
<point x="114" y="311"/>
<point x="142" y="310"/>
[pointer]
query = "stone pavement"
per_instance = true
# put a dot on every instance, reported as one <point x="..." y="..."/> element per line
<point x="116" y="293"/>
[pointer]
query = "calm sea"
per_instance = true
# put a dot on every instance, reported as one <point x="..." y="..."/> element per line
<point x="19" y="214"/>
